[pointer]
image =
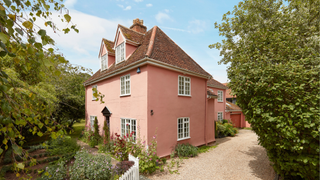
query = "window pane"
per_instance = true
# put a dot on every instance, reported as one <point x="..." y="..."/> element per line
<point x="127" y="87"/>
<point x="123" y="127"/>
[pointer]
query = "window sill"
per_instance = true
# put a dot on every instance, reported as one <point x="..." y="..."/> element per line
<point x="184" y="95"/>
<point x="183" y="139"/>
<point x="220" y="101"/>
<point x="94" y="99"/>
<point x="125" y="95"/>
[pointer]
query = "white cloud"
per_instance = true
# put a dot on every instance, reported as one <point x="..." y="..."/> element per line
<point x="127" y="8"/>
<point x="70" y="3"/>
<point x="124" y="8"/>
<point x="175" y="29"/>
<point x="82" y="48"/>
<point x="138" y="0"/>
<point x="149" y="5"/>
<point x="166" y="10"/>
<point x="197" y="26"/>
<point x="161" y="17"/>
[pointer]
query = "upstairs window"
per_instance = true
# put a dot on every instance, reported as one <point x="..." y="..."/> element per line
<point x="220" y="96"/>
<point x="104" y="62"/>
<point x="94" y="90"/>
<point x="125" y="85"/>
<point x="183" y="128"/>
<point x="184" y="86"/>
<point x="120" y="53"/>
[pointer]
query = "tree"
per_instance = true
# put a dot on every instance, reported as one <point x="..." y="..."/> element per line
<point x="21" y="105"/>
<point x="272" y="48"/>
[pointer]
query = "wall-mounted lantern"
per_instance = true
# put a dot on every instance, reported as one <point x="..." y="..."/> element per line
<point x="151" y="112"/>
<point x="138" y="70"/>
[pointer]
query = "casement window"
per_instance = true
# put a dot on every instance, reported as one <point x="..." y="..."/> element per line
<point x="184" y="86"/>
<point x="128" y="126"/>
<point x="92" y="122"/>
<point x="104" y="62"/>
<point x="94" y="90"/>
<point x="120" y="53"/>
<point x="125" y="85"/>
<point x="220" y="96"/>
<point x="220" y="116"/>
<point x="183" y="128"/>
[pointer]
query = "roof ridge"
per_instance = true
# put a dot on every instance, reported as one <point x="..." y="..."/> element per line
<point x="151" y="42"/>
<point x="184" y="52"/>
<point x="131" y="29"/>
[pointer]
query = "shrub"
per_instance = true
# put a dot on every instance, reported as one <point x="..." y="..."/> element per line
<point x="225" y="121"/>
<point x="106" y="137"/>
<point x="55" y="172"/>
<point x="8" y="156"/>
<point x="122" y="167"/>
<point x="186" y="150"/>
<point x="62" y="145"/>
<point x="106" y="147"/>
<point x="88" y="166"/>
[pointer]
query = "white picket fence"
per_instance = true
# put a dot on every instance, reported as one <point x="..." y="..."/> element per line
<point x="133" y="172"/>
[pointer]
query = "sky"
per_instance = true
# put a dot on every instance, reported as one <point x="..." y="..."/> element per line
<point x="190" y="24"/>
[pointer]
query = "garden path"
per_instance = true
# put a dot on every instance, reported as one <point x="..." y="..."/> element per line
<point x="238" y="158"/>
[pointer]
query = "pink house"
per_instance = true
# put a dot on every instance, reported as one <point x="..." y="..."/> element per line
<point x="152" y="86"/>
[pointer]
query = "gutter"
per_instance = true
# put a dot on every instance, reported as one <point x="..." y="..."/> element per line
<point x="142" y="62"/>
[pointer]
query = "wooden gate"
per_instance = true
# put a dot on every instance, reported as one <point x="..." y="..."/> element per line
<point x="236" y="119"/>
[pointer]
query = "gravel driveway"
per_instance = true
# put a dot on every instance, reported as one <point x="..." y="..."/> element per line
<point x="238" y="157"/>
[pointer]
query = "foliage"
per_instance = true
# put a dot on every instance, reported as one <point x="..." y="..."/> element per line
<point x="106" y="147"/>
<point x="204" y="149"/>
<point x="62" y="145"/>
<point x="186" y="150"/>
<point x="88" y="166"/>
<point x="127" y="145"/>
<point x="122" y="167"/>
<point x="226" y="129"/>
<point x="55" y="172"/>
<point x="272" y="48"/>
<point x="94" y="137"/>
<point x="25" y="101"/>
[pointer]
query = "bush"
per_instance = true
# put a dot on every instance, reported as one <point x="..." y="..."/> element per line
<point x="62" y="145"/>
<point x="8" y="156"/>
<point x="55" y="172"/>
<point x="106" y="137"/>
<point x="122" y="167"/>
<point x="106" y="147"/>
<point x="186" y="150"/>
<point x="225" y="121"/>
<point x="226" y="129"/>
<point x="88" y="166"/>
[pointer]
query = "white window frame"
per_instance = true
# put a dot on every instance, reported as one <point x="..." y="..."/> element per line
<point x="126" y="89"/>
<point x="221" y="113"/>
<point x="92" y="122"/>
<point x="183" y="85"/>
<point x="185" y="120"/>
<point x="220" y="96"/>
<point x="104" y="62"/>
<point x="94" y="86"/>
<point x="132" y="127"/>
<point x="121" y="52"/>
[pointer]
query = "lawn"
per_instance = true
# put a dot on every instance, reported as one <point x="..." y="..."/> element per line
<point x="78" y="128"/>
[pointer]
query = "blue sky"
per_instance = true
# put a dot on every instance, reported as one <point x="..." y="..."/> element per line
<point x="189" y="23"/>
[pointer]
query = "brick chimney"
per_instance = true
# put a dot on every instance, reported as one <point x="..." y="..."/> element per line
<point x="138" y="26"/>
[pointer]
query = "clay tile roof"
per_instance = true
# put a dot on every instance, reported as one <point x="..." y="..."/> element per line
<point x="216" y="84"/>
<point x="211" y="93"/>
<point x="109" y="45"/>
<point x="156" y="45"/>
<point x="131" y="35"/>
<point x="228" y="92"/>
<point x="232" y="107"/>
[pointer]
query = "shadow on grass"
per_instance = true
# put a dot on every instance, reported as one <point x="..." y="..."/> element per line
<point x="260" y="166"/>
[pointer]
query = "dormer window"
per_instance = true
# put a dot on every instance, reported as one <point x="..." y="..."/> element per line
<point x="104" y="62"/>
<point x="120" y="53"/>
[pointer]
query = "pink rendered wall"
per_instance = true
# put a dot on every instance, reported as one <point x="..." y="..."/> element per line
<point x="111" y="60"/>
<point x="167" y="106"/>
<point x="120" y="39"/>
<point x="103" y="50"/>
<point x="210" y="120"/>
<point x="227" y="115"/>
<point x="129" y="50"/>
<point x="132" y="106"/>
<point x="219" y="106"/>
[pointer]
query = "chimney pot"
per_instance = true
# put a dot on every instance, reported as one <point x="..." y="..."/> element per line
<point x="138" y="26"/>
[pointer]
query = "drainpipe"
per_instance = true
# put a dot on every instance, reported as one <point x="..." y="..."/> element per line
<point x="205" y="119"/>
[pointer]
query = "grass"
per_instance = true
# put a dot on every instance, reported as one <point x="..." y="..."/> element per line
<point x="77" y="129"/>
<point x="205" y="148"/>
<point x="249" y="128"/>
